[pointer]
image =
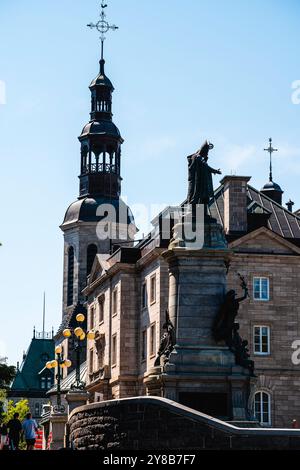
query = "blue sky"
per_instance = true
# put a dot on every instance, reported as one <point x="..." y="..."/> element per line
<point x="183" y="72"/>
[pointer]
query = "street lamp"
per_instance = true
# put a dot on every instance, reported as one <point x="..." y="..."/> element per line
<point x="59" y="363"/>
<point x="79" y="335"/>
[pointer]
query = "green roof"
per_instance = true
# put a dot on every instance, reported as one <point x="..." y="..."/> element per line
<point x="28" y="378"/>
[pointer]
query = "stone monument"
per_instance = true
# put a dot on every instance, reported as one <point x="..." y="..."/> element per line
<point x="202" y="362"/>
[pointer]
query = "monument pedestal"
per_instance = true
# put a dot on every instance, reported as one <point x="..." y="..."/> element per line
<point x="199" y="372"/>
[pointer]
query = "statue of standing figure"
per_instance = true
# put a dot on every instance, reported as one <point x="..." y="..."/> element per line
<point x="200" y="177"/>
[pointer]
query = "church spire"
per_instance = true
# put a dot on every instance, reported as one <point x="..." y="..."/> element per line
<point x="101" y="139"/>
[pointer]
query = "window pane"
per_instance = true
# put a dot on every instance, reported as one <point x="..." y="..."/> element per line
<point x="256" y="288"/>
<point x="264" y="288"/>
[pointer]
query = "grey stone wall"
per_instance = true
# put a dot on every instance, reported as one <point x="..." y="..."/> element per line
<point x="148" y="423"/>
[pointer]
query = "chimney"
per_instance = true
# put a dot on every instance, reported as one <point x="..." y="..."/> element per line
<point x="235" y="204"/>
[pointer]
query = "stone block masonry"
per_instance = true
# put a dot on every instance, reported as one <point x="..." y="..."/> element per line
<point x="149" y="423"/>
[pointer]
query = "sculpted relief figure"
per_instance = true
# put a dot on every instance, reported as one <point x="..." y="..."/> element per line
<point x="226" y="329"/>
<point x="224" y="323"/>
<point x="167" y="341"/>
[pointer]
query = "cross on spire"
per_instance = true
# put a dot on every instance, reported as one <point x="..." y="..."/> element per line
<point x="103" y="27"/>
<point x="271" y="150"/>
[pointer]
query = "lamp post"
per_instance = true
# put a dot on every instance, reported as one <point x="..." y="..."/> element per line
<point x="59" y="363"/>
<point x="79" y="335"/>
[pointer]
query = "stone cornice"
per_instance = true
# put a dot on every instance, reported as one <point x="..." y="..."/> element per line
<point x="116" y="268"/>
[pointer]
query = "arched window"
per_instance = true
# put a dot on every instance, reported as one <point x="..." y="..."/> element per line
<point x="262" y="404"/>
<point x="91" y="254"/>
<point x="70" y="276"/>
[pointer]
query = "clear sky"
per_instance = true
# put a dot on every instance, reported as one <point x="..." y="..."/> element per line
<point x="183" y="71"/>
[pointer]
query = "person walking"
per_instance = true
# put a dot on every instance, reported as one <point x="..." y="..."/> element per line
<point x="15" y="429"/>
<point x="30" y="428"/>
<point x="3" y="437"/>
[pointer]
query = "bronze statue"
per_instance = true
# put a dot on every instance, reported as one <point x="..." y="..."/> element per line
<point x="200" y="176"/>
<point x="167" y="341"/>
<point x="224" y="322"/>
<point x="240" y="349"/>
<point x="225" y="328"/>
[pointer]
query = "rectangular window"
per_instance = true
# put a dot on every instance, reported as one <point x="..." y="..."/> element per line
<point x="115" y="302"/>
<point x="153" y="289"/>
<point x="43" y="383"/>
<point x="92" y="318"/>
<point x="152" y="340"/>
<point x="101" y="308"/>
<point x="144" y="345"/>
<point x="261" y="288"/>
<point x="144" y="295"/>
<point x="114" y="350"/>
<point x="91" y="361"/>
<point x="262" y="340"/>
<point x="37" y="410"/>
<point x="49" y="383"/>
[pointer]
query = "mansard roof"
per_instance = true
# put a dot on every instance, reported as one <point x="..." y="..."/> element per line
<point x="28" y="378"/>
<point x="280" y="221"/>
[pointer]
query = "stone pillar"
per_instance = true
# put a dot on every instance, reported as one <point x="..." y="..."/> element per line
<point x="197" y="285"/>
<point x="76" y="398"/>
<point x="57" y="428"/>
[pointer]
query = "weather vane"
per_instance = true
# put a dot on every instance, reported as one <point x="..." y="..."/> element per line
<point x="270" y="150"/>
<point x="103" y="26"/>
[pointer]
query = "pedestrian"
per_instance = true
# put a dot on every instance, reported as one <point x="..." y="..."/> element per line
<point x="15" y="428"/>
<point x="295" y="424"/>
<point x="30" y="428"/>
<point x="4" y="441"/>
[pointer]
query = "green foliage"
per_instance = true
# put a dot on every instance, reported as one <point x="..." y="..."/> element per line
<point x="7" y="374"/>
<point x="20" y="407"/>
<point x="10" y="409"/>
<point x="2" y="401"/>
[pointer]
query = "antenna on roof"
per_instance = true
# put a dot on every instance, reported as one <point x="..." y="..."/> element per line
<point x="44" y="314"/>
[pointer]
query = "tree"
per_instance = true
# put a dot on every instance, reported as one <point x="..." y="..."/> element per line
<point x="7" y="374"/>
<point x="21" y="407"/>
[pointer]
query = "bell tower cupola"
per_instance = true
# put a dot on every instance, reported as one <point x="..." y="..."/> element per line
<point x="100" y="139"/>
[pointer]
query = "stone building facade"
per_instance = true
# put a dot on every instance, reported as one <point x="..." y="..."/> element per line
<point x="128" y="296"/>
<point x="124" y="287"/>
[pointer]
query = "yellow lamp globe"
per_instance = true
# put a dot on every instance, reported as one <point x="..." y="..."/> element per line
<point x="54" y="363"/>
<point x="80" y="317"/>
<point x="68" y="363"/>
<point x="49" y="365"/>
<point x="78" y="332"/>
<point x="82" y="337"/>
<point x="90" y="335"/>
<point x="58" y="350"/>
<point x="67" y="333"/>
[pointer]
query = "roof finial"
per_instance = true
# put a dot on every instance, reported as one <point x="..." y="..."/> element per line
<point x="44" y="314"/>
<point x="103" y="27"/>
<point x="270" y="150"/>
